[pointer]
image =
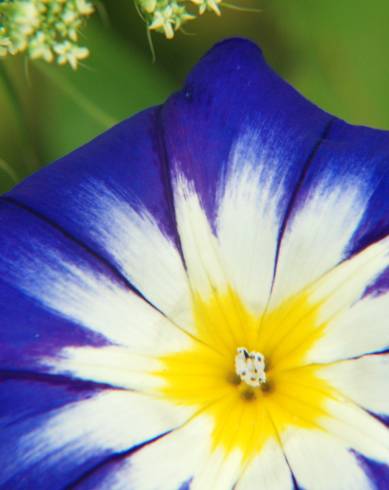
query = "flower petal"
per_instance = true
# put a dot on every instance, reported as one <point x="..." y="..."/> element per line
<point x="75" y="299"/>
<point x="237" y="140"/>
<point x="56" y="445"/>
<point x="339" y="289"/>
<point x="116" y="366"/>
<point x="370" y="155"/>
<point x="219" y="472"/>
<point x="268" y="471"/>
<point x="320" y="462"/>
<point x="29" y="332"/>
<point x="341" y="206"/>
<point x="329" y="297"/>
<point x="364" y="380"/>
<point x="113" y="196"/>
<point x="357" y="429"/>
<point x="359" y="330"/>
<point x="165" y="464"/>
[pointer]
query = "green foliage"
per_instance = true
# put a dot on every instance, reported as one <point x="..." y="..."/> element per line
<point x="338" y="54"/>
<point x="118" y="81"/>
<point x="48" y="111"/>
<point x="333" y="52"/>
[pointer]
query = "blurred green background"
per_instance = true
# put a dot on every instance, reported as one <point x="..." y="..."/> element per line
<point x="335" y="52"/>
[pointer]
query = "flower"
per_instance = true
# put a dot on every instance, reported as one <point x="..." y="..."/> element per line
<point x="69" y="53"/>
<point x="198" y="298"/>
<point x="47" y="30"/>
<point x="205" y="5"/>
<point x="165" y="16"/>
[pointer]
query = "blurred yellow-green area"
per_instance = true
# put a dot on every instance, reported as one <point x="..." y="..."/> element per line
<point x="334" y="52"/>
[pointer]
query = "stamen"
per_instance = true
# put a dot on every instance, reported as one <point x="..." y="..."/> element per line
<point x="250" y="367"/>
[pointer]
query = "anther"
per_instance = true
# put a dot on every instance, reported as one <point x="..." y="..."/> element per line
<point x="250" y="367"/>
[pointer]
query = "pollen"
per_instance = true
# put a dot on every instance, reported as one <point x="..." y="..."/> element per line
<point x="250" y="367"/>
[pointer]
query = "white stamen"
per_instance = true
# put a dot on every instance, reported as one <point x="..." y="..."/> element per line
<point x="250" y="367"/>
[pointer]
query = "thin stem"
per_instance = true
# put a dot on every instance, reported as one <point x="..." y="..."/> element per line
<point x="8" y="170"/>
<point x="102" y="12"/>
<point x="241" y="9"/>
<point x="151" y="45"/>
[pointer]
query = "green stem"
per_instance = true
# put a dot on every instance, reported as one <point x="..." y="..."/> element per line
<point x="102" y="12"/>
<point x="56" y="77"/>
<point x="241" y="9"/>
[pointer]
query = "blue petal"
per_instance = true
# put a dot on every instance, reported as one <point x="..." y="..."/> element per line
<point x="339" y="207"/>
<point x="234" y="100"/>
<point x="358" y="156"/>
<point x="57" y="293"/>
<point x="231" y="92"/>
<point x="378" y="473"/>
<point x="29" y="332"/>
<point x="368" y="151"/>
<point x="22" y="463"/>
<point x="126" y="159"/>
<point x="52" y="289"/>
<point x="33" y="255"/>
<point x="119" y="172"/>
<point x="66" y="432"/>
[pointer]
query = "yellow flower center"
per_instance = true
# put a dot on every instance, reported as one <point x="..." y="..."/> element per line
<point x="247" y="371"/>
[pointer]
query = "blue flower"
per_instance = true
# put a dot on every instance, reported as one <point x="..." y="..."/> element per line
<point x="197" y="299"/>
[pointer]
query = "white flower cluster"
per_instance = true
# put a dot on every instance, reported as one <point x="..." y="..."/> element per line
<point x="168" y="16"/>
<point x="46" y="29"/>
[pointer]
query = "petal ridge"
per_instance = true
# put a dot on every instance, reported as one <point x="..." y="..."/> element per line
<point x="68" y="235"/>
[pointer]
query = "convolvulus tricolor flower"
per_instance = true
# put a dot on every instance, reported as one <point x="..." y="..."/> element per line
<point x="198" y="298"/>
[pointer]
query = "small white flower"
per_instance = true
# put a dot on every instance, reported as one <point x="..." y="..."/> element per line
<point x="84" y="7"/>
<point x="208" y="5"/>
<point x="39" y="48"/>
<point x="164" y="20"/>
<point x="44" y="28"/>
<point x="70" y="53"/>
